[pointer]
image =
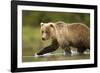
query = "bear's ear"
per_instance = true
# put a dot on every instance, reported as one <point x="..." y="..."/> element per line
<point x="51" y="24"/>
<point x="41" y="23"/>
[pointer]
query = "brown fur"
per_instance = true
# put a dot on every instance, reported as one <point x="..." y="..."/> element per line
<point x="67" y="35"/>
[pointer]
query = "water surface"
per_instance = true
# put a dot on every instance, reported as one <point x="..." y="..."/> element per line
<point x="55" y="58"/>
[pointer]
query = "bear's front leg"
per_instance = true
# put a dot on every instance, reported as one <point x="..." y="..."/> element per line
<point x="50" y="48"/>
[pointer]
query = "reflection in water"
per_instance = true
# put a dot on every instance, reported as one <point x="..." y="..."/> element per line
<point x="52" y="57"/>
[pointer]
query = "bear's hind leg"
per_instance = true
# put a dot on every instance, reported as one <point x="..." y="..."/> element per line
<point x="67" y="51"/>
<point x="71" y="51"/>
<point x="81" y="50"/>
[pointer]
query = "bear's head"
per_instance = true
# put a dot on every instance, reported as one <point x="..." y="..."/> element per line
<point x="47" y="30"/>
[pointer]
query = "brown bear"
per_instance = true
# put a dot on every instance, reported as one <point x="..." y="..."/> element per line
<point x="65" y="35"/>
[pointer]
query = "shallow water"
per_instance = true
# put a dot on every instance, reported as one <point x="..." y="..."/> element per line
<point x="53" y="57"/>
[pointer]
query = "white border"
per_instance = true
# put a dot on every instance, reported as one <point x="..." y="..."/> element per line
<point x="53" y="63"/>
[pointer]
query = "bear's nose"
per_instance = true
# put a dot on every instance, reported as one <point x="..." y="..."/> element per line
<point x="43" y="38"/>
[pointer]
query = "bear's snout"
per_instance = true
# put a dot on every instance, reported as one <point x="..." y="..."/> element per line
<point x="43" y="39"/>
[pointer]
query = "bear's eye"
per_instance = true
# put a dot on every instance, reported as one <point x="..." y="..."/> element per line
<point x="42" y="31"/>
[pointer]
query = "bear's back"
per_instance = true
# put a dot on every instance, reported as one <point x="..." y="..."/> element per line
<point x="78" y="28"/>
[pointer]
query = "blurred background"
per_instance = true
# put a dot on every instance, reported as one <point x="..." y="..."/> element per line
<point x="31" y="35"/>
